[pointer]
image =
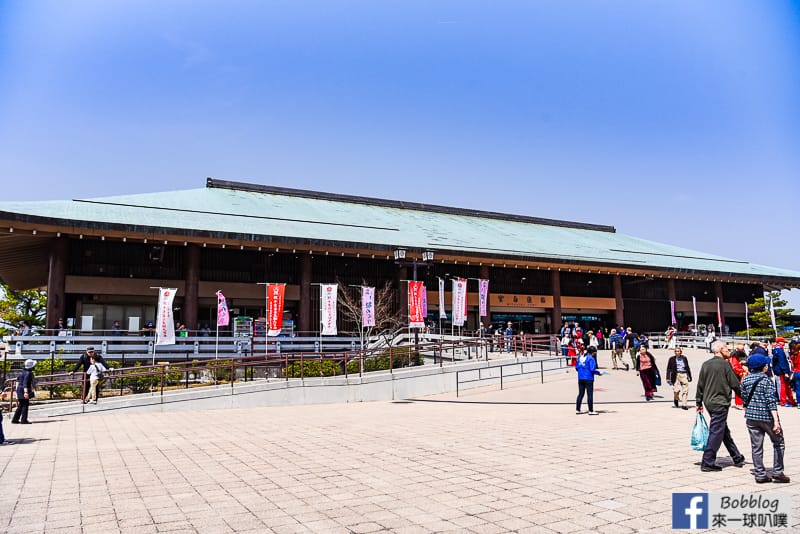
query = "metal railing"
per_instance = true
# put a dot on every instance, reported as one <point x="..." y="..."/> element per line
<point x="172" y="375"/>
<point x="491" y="373"/>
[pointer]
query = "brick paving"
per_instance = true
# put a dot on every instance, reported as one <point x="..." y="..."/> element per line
<point x="517" y="460"/>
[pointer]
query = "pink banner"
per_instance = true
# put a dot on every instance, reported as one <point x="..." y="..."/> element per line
<point x="719" y="317"/>
<point x="672" y="311"/>
<point x="275" y="296"/>
<point x="415" y="305"/>
<point x="483" y="296"/>
<point x="368" y="305"/>
<point x="459" y="301"/>
<point x="424" y="302"/>
<point x="442" y="311"/>
<point x="222" y="310"/>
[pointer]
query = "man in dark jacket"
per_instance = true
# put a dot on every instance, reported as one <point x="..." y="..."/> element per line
<point x="84" y="362"/>
<point x="25" y="393"/>
<point x="714" y="386"/>
<point x="678" y="376"/>
<point x="782" y="368"/>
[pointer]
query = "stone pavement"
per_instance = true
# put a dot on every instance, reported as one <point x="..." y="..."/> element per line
<point x="517" y="460"/>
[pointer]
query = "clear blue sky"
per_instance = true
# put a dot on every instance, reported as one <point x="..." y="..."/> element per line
<point x="677" y="121"/>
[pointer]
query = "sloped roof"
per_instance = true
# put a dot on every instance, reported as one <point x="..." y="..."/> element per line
<point x="230" y="210"/>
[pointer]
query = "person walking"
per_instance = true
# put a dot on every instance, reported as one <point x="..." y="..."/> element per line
<point x="646" y="366"/>
<point x="95" y="373"/>
<point x="509" y="336"/>
<point x="84" y="362"/>
<point x="25" y="393"/>
<point x="586" y="366"/>
<point x="678" y="376"/>
<point x="761" y="418"/>
<point x="714" y="386"/>
<point x="783" y="370"/>
<point x="617" y="348"/>
<point x="795" y="358"/>
<point x="670" y="337"/>
<point x="737" y="356"/>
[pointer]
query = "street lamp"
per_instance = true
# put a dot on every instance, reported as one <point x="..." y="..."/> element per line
<point x="400" y="259"/>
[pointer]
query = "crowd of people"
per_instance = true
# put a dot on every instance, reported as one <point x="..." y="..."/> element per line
<point x="756" y="378"/>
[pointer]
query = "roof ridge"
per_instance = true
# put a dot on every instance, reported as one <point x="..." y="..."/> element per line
<point x="213" y="183"/>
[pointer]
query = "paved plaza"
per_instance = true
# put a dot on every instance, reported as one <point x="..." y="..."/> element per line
<point x="517" y="460"/>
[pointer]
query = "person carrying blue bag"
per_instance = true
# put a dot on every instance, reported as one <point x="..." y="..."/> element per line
<point x="586" y="366"/>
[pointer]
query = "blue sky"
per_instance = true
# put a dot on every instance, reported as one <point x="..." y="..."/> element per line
<point x="677" y="121"/>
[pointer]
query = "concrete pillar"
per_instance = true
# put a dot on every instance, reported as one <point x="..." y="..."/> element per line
<point x="556" y="290"/>
<point x="56" y="282"/>
<point x="304" y="310"/>
<point x="486" y="321"/>
<point x="192" y="274"/>
<point x="619" y="312"/>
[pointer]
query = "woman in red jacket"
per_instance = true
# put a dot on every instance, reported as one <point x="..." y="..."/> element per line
<point x="736" y="362"/>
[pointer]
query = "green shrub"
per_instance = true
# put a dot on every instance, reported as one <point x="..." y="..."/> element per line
<point x="312" y="368"/>
<point x="400" y="357"/>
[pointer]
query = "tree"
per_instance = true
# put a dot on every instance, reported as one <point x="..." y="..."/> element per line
<point x="761" y="319"/>
<point x="386" y="318"/>
<point x="29" y="305"/>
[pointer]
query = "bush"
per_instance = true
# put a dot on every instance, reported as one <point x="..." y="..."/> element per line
<point x="311" y="368"/>
<point x="400" y="357"/>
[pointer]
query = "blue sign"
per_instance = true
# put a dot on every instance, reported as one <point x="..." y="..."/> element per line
<point x="690" y="510"/>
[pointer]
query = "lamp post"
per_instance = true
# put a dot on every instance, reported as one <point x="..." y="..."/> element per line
<point x="400" y="259"/>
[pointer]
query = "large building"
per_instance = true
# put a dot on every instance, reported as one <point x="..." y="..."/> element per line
<point x="102" y="257"/>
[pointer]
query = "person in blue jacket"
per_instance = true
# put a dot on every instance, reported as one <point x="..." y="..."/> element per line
<point x="586" y="367"/>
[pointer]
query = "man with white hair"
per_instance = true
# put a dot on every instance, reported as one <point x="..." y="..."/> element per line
<point x="714" y="386"/>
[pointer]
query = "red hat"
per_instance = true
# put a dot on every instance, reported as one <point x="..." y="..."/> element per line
<point x="780" y="340"/>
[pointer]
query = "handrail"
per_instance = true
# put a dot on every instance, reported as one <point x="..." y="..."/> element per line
<point x="522" y="371"/>
<point x="235" y="367"/>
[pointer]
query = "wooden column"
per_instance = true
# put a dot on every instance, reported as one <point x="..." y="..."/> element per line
<point x="402" y="294"/>
<point x="486" y="321"/>
<point x="192" y="274"/>
<point x="56" y="282"/>
<point x="304" y="310"/>
<point x="556" y="289"/>
<point x="718" y="292"/>
<point x="619" y="313"/>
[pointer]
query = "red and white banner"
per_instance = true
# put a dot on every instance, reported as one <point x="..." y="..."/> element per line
<point x="165" y="322"/>
<point x="223" y="317"/>
<point x="483" y="296"/>
<point x="415" y="317"/>
<point x="327" y="311"/>
<point x="459" y="301"/>
<point x="442" y="311"/>
<point x="368" y="305"/>
<point x="719" y="317"/>
<point x="275" y="297"/>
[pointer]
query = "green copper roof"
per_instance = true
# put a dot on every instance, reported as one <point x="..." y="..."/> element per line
<point x="242" y="211"/>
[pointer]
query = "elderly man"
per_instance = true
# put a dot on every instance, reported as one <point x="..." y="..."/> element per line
<point x="761" y="416"/>
<point x="714" y="386"/>
<point x="678" y="376"/>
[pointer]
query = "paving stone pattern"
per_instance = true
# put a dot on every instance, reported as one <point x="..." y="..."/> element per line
<point x="517" y="460"/>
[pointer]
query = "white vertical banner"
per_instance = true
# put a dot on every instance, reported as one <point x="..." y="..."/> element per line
<point x="459" y="301"/>
<point x="327" y="312"/>
<point x="719" y="317"/>
<point x="747" y="317"/>
<point x="442" y="311"/>
<point x="368" y="305"/>
<point x="165" y="322"/>
<point x="694" y="308"/>
<point x="483" y="296"/>
<point x="772" y="314"/>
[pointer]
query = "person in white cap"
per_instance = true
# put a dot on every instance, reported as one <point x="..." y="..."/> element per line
<point x="24" y="394"/>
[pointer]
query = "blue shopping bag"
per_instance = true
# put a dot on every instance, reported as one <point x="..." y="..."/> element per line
<point x="699" y="433"/>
